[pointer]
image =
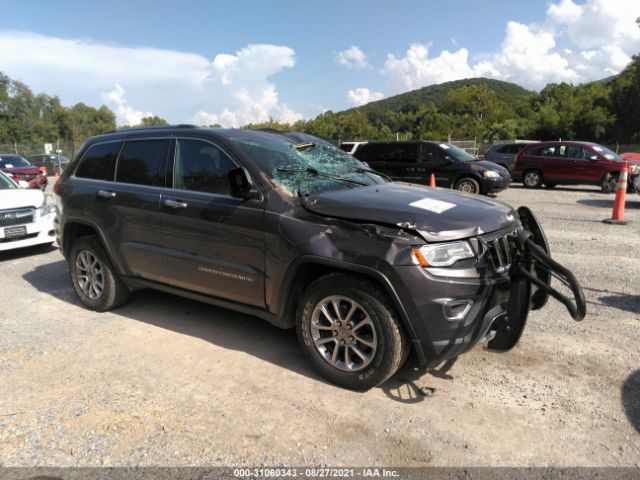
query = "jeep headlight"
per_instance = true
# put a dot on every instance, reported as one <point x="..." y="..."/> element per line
<point x="490" y="174"/>
<point x="442" y="254"/>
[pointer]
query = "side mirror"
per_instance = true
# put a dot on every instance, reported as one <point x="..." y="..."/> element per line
<point x="240" y="185"/>
<point x="23" y="184"/>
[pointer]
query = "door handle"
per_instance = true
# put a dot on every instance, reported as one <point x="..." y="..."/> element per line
<point x="106" y="194"/>
<point x="175" y="204"/>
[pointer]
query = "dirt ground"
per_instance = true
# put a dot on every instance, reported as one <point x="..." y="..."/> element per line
<point x="168" y="381"/>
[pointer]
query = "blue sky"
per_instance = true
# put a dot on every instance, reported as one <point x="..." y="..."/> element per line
<point x="234" y="62"/>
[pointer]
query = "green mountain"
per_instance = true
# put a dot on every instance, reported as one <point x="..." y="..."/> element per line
<point x="435" y="94"/>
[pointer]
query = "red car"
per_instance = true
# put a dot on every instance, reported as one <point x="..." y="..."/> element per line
<point x="18" y="168"/>
<point x="570" y="163"/>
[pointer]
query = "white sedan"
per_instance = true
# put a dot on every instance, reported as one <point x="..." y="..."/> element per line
<point x="25" y="217"/>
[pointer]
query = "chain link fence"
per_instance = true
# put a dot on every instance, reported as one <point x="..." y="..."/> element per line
<point x="67" y="149"/>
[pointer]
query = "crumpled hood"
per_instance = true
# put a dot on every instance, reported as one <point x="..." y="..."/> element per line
<point x="20" y="197"/>
<point x="437" y="214"/>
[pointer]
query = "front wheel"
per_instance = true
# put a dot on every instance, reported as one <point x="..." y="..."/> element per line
<point x="608" y="184"/>
<point x="349" y="331"/>
<point x="467" y="185"/>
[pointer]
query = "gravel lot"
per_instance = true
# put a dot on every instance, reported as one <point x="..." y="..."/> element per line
<point x="168" y="381"/>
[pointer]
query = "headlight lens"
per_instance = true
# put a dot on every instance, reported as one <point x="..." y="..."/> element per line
<point x="634" y="169"/>
<point x="442" y="254"/>
<point x="490" y="174"/>
<point x="47" y="208"/>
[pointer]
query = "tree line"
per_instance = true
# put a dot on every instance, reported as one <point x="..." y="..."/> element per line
<point x="605" y="112"/>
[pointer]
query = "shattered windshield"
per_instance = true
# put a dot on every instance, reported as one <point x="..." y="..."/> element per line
<point x="307" y="167"/>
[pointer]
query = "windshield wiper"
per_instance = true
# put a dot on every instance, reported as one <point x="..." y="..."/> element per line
<point x="318" y="173"/>
<point x="301" y="147"/>
<point x="368" y="170"/>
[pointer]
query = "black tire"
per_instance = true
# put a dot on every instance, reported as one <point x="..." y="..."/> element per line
<point x="550" y="185"/>
<point x="468" y="185"/>
<point x="532" y="178"/>
<point x="608" y="184"/>
<point x="113" y="292"/>
<point x="389" y="337"/>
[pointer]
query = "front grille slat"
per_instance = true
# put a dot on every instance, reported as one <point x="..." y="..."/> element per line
<point x="498" y="251"/>
<point x="16" y="216"/>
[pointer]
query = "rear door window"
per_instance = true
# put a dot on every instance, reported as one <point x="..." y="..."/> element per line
<point x="371" y="153"/>
<point x="99" y="163"/>
<point x="576" y="152"/>
<point x="141" y="161"/>
<point x="402" y="152"/>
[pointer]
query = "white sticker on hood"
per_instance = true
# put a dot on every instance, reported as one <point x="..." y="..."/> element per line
<point x="444" y="145"/>
<point x="435" y="206"/>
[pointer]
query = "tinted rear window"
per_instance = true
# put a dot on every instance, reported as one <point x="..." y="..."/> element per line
<point x="346" y="147"/>
<point x="371" y="152"/>
<point x="99" y="163"/>
<point x="515" y="148"/>
<point x="140" y="162"/>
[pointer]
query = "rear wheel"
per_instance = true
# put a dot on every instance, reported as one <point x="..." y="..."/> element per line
<point x="93" y="278"/>
<point x="350" y="332"/>
<point x="467" y="185"/>
<point x="532" y="179"/>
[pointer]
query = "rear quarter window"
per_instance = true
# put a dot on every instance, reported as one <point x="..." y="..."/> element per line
<point x="99" y="163"/>
<point x="140" y="162"/>
<point x="371" y="153"/>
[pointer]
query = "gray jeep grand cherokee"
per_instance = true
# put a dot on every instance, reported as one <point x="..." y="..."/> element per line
<point x="287" y="227"/>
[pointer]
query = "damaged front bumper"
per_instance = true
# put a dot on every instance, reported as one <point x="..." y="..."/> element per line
<point x="489" y="302"/>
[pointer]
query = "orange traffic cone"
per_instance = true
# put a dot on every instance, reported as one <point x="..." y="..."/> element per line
<point x="432" y="180"/>
<point x="617" y="217"/>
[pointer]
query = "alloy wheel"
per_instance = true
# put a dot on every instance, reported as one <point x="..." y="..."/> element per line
<point x="343" y="333"/>
<point x="89" y="274"/>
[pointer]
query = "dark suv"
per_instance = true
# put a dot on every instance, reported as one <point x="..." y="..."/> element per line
<point x="291" y="229"/>
<point x="571" y="163"/>
<point x="452" y="167"/>
<point x="504" y="154"/>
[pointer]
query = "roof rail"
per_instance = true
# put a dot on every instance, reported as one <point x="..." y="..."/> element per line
<point x="152" y="127"/>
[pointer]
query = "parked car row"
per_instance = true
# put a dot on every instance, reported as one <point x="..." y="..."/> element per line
<point x="533" y="163"/>
<point x="415" y="161"/>
<point x="53" y="163"/>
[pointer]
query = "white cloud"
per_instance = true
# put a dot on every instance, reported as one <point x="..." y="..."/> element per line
<point x="204" y="119"/>
<point x="235" y="87"/>
<point x="416" y="69"/>
<point x="526" y="57"/>
<point x="599" y="23"/>
<point x="360" y="96"/>
<point x="602" y="36"/>
<point x="352" y="57"/>
<point x="125" y="114"/>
